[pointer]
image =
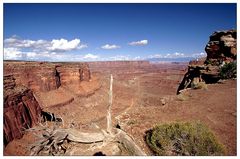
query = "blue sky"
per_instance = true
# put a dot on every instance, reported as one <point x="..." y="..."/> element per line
<point x="86" y="32"/>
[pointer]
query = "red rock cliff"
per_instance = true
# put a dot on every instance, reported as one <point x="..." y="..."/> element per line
<point x="73" y="73"/>
<point x="221" y="49"/>
<point x="222" y="46"/>
<point x="46" y="76"/>
<point x="21" y="110"/>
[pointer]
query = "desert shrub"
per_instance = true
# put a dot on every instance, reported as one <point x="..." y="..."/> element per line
<point x="229" y="70"/>
<point x="193" y="139"/>
<point x="131" y="122"/>
<point x="182" y="97"/>
<point x="199" y="85"/>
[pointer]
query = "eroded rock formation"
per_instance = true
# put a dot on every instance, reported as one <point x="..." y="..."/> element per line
<point x="45" y="76"/>
<point x="73" y="73"/>
<point x="221" y="49"/>
<point x="21" y="110"/>
<point x="222" y="46"/>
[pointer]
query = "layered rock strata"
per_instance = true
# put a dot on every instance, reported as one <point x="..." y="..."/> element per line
<point x="21" y="110"/>
<point x="44" y="77"/>
<point x="21" y="79"/>
<point x="220" y="49"/>
<point x="222" y="46"/>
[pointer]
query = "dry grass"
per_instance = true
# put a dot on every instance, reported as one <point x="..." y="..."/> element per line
<point x="199" y="85"/>
<point x="182" y="97"/>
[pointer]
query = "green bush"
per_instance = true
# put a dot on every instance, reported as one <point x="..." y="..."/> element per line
<point x="229" y="70"/>
<point x="192" y="139"/>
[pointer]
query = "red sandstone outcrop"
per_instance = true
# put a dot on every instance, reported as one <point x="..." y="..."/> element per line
<point x="220" y="49"/>
<point x="222" y="46"/>
<point x="73" y="73"/>
<point x="36" y="76"/>
<point x="45" y="76"/>
<point x="21" y="110"/>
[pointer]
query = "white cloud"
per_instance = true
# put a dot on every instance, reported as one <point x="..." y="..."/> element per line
<point x="82" y="46"/>
<point x="109" y="47"/>
<point x="64" y="45"/>
<point x="141" y="42"/>
<point x="201" y="54"/>
<point x="53" y="45"/>
<point x="178" y="55"/>
<point x="174" y="55"/>
<point x="20" y="43"/>
<point x="137" y="58"/>
<point x="155" y="56"/>
<point x="24" y="49"/>
<point x="10" y="40"/>
<point x="31" y="54"/>
<point x="90" y="56"/>
<point x="12" y="53"/>
<point x="120" y="58"/>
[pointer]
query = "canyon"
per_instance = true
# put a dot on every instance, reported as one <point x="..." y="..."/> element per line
<point x="75" y="95"/>
<point x="142" y="97"/>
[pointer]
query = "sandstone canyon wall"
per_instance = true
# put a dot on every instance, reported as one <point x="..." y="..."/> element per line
<point x="21" y="79"/>
<point x="221" y="49"/>
<point x="21" y="110"/>
<point x="73" y="73"/>
<point x="45" y="76"/>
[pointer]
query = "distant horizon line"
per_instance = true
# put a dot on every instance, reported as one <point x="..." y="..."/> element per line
<point x="188" y="59"/>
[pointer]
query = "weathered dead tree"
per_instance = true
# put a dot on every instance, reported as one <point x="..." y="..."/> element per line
<point x="109" y="117"/>
<point x="128" y="143"/>
<point x="53" y="141"/>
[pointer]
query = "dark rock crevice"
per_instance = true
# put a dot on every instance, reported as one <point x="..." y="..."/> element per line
<point x="48" y="116"/>
<point x="58" y="78"/>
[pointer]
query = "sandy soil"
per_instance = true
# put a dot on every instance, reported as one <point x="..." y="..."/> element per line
<point x="143" y="98"/>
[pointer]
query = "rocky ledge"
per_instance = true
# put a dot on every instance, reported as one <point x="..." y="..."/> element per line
<point x="221" y="49"/>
